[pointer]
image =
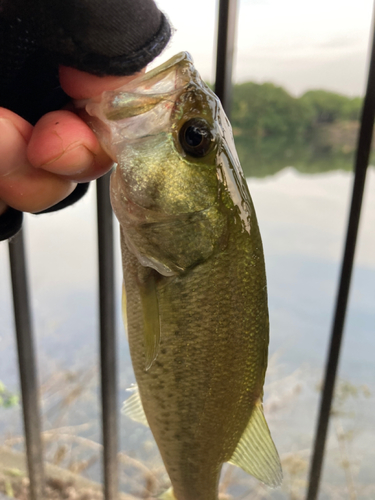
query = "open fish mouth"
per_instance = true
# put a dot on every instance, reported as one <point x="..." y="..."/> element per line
<point x="145" y="107"/>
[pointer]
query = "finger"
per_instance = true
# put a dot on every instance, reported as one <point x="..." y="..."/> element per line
<point x="80" y="85"/>
<point x="64" y="145"/>
<point x="22" y="186"/>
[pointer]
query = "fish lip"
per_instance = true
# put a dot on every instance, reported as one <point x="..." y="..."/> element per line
<point x="147" y="91"/>
<point x="182" y="59"/>
<point x="144" y="84"/>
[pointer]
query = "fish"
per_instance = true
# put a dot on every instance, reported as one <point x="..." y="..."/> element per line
<point x="195" y="303"/>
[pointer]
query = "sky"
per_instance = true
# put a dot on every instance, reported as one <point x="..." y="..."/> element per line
<point x="294" y="43"/>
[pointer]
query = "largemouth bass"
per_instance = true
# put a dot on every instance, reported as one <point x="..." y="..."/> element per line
<point x="194" y="275"/>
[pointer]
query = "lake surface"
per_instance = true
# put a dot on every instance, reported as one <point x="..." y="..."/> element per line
<point x="302" y="217"/>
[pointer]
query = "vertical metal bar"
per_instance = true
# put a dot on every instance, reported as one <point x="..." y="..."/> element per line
<point x="361" y="162"/>
<point x="27" y="367"/>
<point x="107" y="338"/>
<point x="226" y="36"/>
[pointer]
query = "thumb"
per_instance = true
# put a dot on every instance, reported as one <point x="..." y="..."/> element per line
<point x="80" y="85"/>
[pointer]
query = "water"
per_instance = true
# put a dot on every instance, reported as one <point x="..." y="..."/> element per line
<point x="302" y="217"/>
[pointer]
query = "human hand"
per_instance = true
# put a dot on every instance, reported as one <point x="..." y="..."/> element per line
<point x="41" y="165"/>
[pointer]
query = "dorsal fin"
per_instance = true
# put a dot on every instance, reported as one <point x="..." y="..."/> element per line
<point x="256" y="453"/>
<point x="133" y="408"/>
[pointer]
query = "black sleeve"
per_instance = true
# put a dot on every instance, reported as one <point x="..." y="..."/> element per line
<point x="103" y="37"/>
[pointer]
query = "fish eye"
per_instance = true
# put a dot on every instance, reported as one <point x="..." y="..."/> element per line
<point x="196" y="138"/>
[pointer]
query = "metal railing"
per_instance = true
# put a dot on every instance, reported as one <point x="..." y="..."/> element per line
<point x="23" y="321"/>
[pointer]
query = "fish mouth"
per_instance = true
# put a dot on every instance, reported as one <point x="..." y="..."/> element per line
<point x="146" y="91"/>
<point x="141" y="108"/>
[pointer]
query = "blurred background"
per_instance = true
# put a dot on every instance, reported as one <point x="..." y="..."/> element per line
<point x="299" y="74"/>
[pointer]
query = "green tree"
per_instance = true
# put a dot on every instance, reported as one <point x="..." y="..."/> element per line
<point x="268" y="110"/>
<point x="328" y="107"/>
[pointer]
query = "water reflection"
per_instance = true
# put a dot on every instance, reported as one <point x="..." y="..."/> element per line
<point x="269" y="155"/>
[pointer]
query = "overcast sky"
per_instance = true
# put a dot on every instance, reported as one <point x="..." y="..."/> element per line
<point x="298" y="44"/>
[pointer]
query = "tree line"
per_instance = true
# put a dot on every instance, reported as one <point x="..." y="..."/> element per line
<point x="266" y="110"/>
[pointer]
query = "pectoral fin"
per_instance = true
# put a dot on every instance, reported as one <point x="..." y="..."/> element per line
<point x="256" y="453"/>
<point x="133" y="408"/>
<point x="151" y="320"/>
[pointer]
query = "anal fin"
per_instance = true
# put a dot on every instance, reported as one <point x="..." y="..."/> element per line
<point x="133" y="408"/>
<point x="167" y="495"/>
<point x="256" y="453"/>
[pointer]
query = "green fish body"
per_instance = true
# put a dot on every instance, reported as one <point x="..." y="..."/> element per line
<point x="194" y="275"/>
